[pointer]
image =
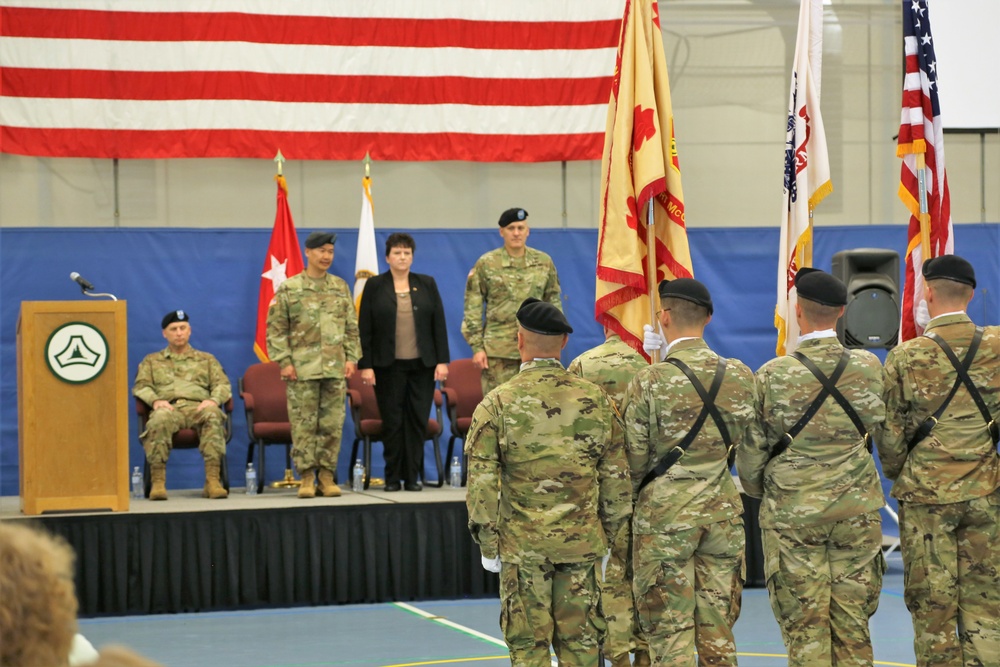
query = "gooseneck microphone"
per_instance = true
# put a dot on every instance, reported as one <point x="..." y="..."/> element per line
<point x="81" y="281"/>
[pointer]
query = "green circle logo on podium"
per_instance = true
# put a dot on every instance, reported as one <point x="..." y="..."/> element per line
<point x="76" y="352"/>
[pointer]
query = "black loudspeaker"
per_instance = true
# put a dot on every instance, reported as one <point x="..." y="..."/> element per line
<point x="871" y="319"/>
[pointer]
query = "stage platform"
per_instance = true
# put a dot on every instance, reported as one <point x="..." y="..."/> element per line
<point x="190" y="554"/>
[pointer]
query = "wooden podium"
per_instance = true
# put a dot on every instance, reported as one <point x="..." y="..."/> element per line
<point x="72" y="406"/>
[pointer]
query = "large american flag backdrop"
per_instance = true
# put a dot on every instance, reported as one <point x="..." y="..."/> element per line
<point x="518" y="80"/>
<point x="921" y="141"/>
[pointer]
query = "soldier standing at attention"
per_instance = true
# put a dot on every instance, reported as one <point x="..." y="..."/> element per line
<point x="940" y="449"/>
<point x="821" y="494"/>
<point x="687" y="525"/>
<point x="185" y="387"/>
<point x="548" y="492"/>
<point x="312" y="334"/>
<point x="612" y="365"/>
<point x="497" y="284"/>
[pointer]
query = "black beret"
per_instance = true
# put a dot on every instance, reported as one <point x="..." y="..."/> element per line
<point x="950" y="267"/>
<point x="543" y="318"/>
<point x="688" y="289"/>
<point x="174" y="316"/>
<point x="821" y="287"/>
<point x="317" y="239"/>
<point x="512" y="215"/>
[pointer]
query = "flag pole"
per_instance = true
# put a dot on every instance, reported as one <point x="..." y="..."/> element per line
<point x="925" y="218"/>
<point x="654" y="356"/>
<point x="280" y="160"/>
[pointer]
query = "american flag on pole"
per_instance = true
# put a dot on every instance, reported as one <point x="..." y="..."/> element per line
<point x="413" y="80"/>
<point x="283" y="260"/>
<point x="807" y="168"/>
<point x="366" y="260"/>
<point x="639" y="166"/>
<point x="923" y="185"/>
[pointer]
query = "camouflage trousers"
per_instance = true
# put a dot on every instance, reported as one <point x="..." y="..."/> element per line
<point x="157" y="439"/>
<point x="543" y="604"/>
<point x="316" y="412"/>
<point x="499" y="371"/>
<point x="688" y="588"/>
<point x="824" y="584"/>
<point x="950" y="560"/>
<point x="617" y="604"/>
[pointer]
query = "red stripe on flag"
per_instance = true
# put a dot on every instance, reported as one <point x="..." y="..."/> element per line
<point x="160" y="144"/>
<point x="271" y="28"/>
<point x="313" y="88"/>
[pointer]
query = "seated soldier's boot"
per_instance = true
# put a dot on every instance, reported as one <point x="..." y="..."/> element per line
<point x="158" y="475"/>
<point x="642" y="658"/>
<point x="213" y="488"/>
<point x="308" y="487"/>
<point x="327" y="487"/>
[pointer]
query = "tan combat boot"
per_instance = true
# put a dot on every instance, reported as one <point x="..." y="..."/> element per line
<point x="327" y="487"/>
<point x="158" y="474"/>
<point x="641" y="658"/>
<point x="213" y="489"/>
<point x="308" y="488"/>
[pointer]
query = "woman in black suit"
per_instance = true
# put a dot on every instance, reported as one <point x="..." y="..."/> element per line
<point x="404" y="347"/>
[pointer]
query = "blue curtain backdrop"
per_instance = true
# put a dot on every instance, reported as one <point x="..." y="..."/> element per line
<point x="214" y="274"/>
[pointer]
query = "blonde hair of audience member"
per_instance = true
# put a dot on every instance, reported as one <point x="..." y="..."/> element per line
<point x="37" y="601"/>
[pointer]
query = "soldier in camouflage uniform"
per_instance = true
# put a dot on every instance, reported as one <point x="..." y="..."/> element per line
<point x="185" y="387"/>
<point x="612" y="365"/>
<point x="496" y="286"/>
<point x="312" y="333"/>
<point x="548" y="493"/>
<point x="821" y="494"/>
<point x="947" y="482"/>
<point x="687" y="526"/>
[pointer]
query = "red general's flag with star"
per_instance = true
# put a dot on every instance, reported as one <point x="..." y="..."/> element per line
<point x="640" y="165"/>
<point x="284" y="260"/>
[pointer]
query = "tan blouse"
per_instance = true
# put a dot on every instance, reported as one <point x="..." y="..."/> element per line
<point x="406" y="332"/>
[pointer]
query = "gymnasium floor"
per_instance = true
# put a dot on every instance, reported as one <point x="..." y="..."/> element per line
<point x="455" y="632"/>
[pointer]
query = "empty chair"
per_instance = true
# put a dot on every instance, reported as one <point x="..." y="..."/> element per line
<point x="266" y="407"/>
<point x="463" y="391"/>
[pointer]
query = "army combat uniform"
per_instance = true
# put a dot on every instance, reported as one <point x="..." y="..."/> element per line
<point x="819" y="514"/>
<point x="548" y="491"/>
<point x="612" y="365"/>
<point x="687" y="526"/>
<point x="947" y="487"/>
<point x="495" y="288"/>
<point x="185" y="380"/>
<point x="313" y="326"/>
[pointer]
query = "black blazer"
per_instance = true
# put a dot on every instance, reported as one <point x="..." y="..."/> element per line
<point x="377" y="321"/>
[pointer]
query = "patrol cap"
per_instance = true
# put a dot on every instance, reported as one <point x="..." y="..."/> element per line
<point x="688" y="289"/>
<point x="821" y="287"/>
<point x="318" y="239"/>
<point x="543" y="318"/>
<point x="950" y="267"/>
<point x="174" y="316"/>
<point x="512" y="215"/>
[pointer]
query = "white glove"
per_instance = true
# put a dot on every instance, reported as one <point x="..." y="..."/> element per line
<point x="922" y="316"/>
<point x="491" y="564"/>
<point x="604" y="564"/>
<point x="653" y="341"/>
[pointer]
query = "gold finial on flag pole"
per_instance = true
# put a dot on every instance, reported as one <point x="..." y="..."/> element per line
<point x="279" y="159"/>
<point x="368" y="165"/>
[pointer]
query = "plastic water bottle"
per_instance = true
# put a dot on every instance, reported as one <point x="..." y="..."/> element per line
<point x="456" y="473"/>
<point x="137" y="491"/>
<point x="251" y="480"/>
<point x="358" y="477"/>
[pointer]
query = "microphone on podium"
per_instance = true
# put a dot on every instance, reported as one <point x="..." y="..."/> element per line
<point x="81" y="281"/>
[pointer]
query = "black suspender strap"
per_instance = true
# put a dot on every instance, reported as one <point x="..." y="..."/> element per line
<point x="962" y="368"/>
<point x="707" y="408"/>
<point x="831" y="388"/>
<point x="814" y="407"/>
